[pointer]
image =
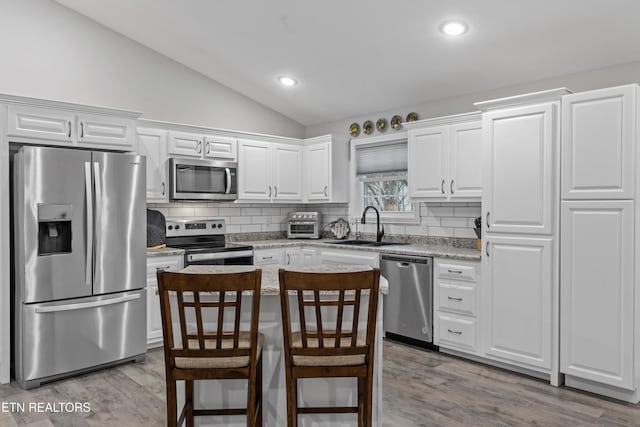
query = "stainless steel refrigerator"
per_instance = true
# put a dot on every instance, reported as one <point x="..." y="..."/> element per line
<point x="79" y="252"/>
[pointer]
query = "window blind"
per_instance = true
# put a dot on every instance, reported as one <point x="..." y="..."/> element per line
<point x="381" y="159"/>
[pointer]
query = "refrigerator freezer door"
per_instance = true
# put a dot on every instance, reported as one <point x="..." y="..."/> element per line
<point x="120" y="222"/>
<point x="63" y="337"/>
<point x="52" y="246"/>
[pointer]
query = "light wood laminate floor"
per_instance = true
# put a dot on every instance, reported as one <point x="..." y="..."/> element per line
<point x="420" y="389"/>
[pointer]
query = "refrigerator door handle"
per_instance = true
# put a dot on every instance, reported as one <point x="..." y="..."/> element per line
<point x="83" y="305"/>
<point x="98" y="192"/>
<point x="89" y="242"/>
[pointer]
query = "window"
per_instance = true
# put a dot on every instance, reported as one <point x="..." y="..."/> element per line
<point x="380" y="179"/>
<point x="387" y="194"/>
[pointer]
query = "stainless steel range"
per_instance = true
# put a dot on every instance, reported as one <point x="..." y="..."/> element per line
<point x="204" y="243"/>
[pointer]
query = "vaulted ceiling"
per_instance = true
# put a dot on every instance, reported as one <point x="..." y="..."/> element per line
<point x="358" y="56"/>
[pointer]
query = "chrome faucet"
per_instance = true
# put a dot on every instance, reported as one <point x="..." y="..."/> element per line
<point x="379" y="227"/>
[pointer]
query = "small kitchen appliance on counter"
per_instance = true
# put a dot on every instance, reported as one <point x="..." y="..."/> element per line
<point x="304" y="225"/>
<point x="204" y="243"/>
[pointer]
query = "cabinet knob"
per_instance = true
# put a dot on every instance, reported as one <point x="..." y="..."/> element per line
<point x="326" y="189"/>
<point x="487" y="219"/>
<point x="442" y="186"/>
<point x="276" y="191"/>
<point x="69" y="123"/>
<point x="486" y="250"/>
<point x="164" y="188"/>
<point x="269" y="191"/>
<point x="81" y="129"/>
<point x="208" y="147"/>
<point x="452" y="185"/>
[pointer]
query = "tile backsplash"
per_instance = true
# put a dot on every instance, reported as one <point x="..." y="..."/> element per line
<point x="447" y="219"/>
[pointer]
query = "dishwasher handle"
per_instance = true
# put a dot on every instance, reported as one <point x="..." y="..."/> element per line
<point x="404" y="260"/>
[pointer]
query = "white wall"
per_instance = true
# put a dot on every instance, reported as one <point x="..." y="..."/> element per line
<point x="604" y="77"/>
<point x="51" y="52"/>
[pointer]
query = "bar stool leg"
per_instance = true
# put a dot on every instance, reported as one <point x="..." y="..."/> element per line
<point x="259" y="391"/>
<point x="362" y="407"/>
<point x="292" y="400"/>
<point x="369" y="403"/>
<point x="251" y="398"/>
<point x="188" y="391"/>
<point x="172" y="410"/>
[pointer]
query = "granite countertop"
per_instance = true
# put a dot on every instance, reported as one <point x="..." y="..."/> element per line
<point x="164" y="252"/>
<point x="441" y="251"/>
<point x="270" y="280"/>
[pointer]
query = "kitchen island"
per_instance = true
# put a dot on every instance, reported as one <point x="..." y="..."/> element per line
<point x="313" y="392"/>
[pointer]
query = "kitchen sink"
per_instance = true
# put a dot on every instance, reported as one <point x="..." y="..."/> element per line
<point x="362" y="243"/>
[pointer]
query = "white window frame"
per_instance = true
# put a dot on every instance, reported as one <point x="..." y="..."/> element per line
<point x="356" y="205"/>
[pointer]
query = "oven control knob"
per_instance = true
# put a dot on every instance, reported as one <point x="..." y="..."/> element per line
<point x="213" y="226"/>
<point x="170" y="227"/>
<point x="177" y="227"/>
<point x="219" y="225"/>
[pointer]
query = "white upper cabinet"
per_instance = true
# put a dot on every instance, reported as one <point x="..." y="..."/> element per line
<point x="326" y="170"/>
<point x="518" y="188"/>
<point x="287" y="172"/>
<point x="598" y="143"/>
<point x="428" y="158"/>
<point x="40" y="123"/>
<point x="186" y="144"/>
<point x="220" y="147"/>
<point x="597" y="291"/>
<point x="465" y="160"/>
<point x="445" y="158"/>
<point x="107" y="132"/>
<point x="517" y="300"/>
<point x="152" y="143"/>
<point x="62" y="124"/>
<point x="254" y="170"/>
<point x="317" y="172"/>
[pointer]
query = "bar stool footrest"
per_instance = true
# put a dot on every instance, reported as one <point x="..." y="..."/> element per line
<point x="328" y="410"/>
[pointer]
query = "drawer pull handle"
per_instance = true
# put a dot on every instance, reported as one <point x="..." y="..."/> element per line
<point x="454" y="299"/>
<point x="455" y="271"/>
<point x="267" y="257"/>
<point x="442" y="187"/>
<point x="163" y="268"/>
<point x="454" y="332"/>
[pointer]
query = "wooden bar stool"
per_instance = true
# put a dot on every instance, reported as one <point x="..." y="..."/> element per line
<point x="215" y="352"/>
<point x="316" y="352"/>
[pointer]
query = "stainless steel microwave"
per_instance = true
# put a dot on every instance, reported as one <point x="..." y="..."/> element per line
<point x="192" y="179"/>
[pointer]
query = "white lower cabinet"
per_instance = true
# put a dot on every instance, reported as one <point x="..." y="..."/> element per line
<point x="268" y="256"/>
<point x="517" y="301"/>
<point x="455" y="296"/>
<point x="597" y="291"/>
<point x="154" y="320"/>
<point x="338" y="256"/>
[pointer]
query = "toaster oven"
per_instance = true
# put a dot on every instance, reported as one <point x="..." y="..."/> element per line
<point x="303" y="225"/>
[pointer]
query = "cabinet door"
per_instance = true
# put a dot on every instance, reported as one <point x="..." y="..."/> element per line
<point x="154" y="319"/>
<point x="428" y="172"/>
<point x="53" y="125"/>
<point x="309" y="256"/>
<point x="517" y="192"/>
<point x="293" y="256"/>
<point x="598" y="142"/>
<point x="108" y="132"/>
<point x="287" y="172"/>
<point x="597" y="291"/>
<point x="465" y="161"/>
<point x="152" y="143"/>
<point x="517" y="300"/>
<point x="185" y="144"/>
<point x="254" y="170"/>
<point x="339" y="257"/>
<point x="220" y="147"/>
<point x="317" y="171"/>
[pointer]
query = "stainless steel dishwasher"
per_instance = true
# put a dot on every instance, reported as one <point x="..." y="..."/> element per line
<point x="408" y="308"/>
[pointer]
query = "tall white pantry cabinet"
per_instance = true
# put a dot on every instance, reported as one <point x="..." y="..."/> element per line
<point x="520" y="209"/>
<point x="600" y="246"/>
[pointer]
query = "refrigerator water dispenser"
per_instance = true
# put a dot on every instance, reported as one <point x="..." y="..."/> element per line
<point x="54" y="229"/>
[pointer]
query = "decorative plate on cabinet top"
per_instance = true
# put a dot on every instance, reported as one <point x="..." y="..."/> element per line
<point x="381" y="125"/>
<point x="412" y="117"/>
<point x="367" y="127"/>
<point x="354" y="129"/>
<point x="396" y="122"/>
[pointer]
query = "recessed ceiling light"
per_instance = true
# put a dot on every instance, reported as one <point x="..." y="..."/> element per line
<point x="287" y="81"/>
<point x="453" y="28"/>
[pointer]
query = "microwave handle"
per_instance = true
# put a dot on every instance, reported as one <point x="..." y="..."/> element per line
<point x="227" y="172"/>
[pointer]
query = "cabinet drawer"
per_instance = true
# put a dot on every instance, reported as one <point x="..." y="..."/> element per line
<point x="457" y="271"/>
<point x="173" y="263"/>
<point x="268" y="257"/>
<point x="457" y="332"/>
<point x="458" y="298"/>
<point x="51" y="125"/>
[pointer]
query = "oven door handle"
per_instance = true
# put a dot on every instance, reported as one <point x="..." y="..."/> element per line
<point x="227" y="172"/>
<point x="218" y="255"/>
